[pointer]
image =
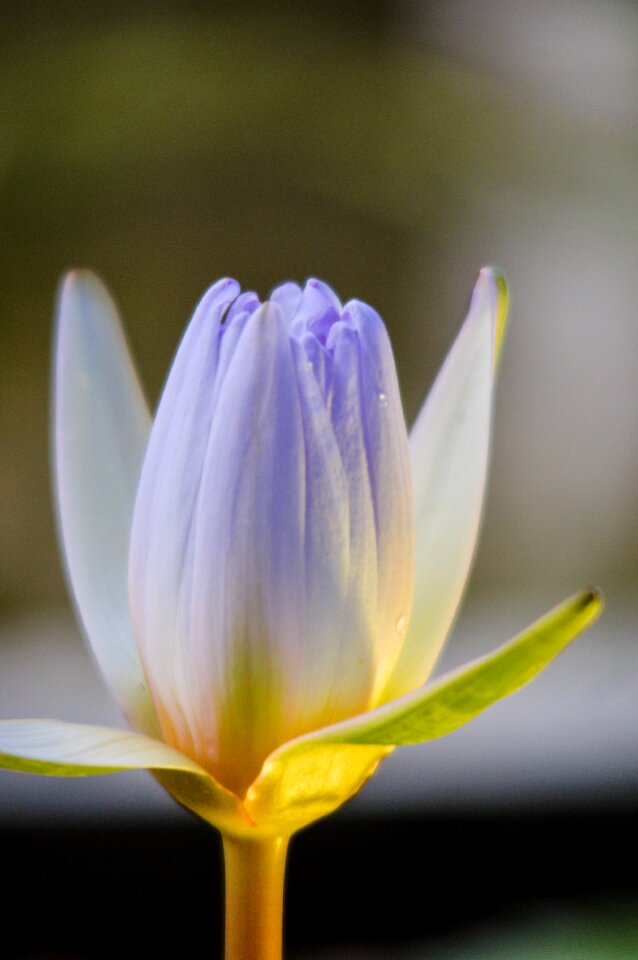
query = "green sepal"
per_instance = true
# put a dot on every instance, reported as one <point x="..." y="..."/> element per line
<point x="59" y="749"/>
<point x="459" y="696"/>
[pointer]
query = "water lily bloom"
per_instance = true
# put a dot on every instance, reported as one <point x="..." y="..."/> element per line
<point x="267" y="572"/>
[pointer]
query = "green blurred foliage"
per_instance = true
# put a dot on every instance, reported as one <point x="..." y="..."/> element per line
<point x="602" y="932"/>
<point x="165" y="145"/>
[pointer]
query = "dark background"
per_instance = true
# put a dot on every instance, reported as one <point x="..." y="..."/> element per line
<point x="392" y="149"/>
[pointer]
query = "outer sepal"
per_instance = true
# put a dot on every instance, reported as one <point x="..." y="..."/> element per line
<point x="100" y="429"/>
<point x="459" y="696"/>
<point x="55" y="748"/>
<point x="449" y="452"/>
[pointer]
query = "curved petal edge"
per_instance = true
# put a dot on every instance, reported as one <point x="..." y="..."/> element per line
<point x="449" y="451"/>
<point x="100" y="429"/>
<point x="60" y="749"/>
<point x="459" y="696"/>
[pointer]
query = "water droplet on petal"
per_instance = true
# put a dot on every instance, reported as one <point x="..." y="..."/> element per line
<point x="401" y="625"/>
<point x="383" y="399"/>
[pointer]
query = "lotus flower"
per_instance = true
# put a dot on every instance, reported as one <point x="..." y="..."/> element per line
<point x="267" y="572"/>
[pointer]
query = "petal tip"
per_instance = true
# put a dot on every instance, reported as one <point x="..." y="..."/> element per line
<point x="80" y="277"/>
<point x="268" y="311"/>
<point x="492" y="272"/>
<point x="593" y="599"/>
<point x="78" y="288"/>
<point x="492" y="286"/>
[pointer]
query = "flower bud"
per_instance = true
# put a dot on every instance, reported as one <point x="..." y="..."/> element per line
<point x="272" y="548"/>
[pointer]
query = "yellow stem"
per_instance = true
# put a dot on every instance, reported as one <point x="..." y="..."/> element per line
<point x="254" y="898"/>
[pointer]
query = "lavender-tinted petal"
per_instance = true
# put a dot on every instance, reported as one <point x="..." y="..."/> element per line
<point x="320" y="361"/>
<point x="390" y="481"/>
<point x="246" y="302"/>
<point x="338" y="658"/>
<point x="345" y="404"/>
<point x="325" y="291"/>
<point x="248" y="585"/>
<point x="317" y="310"/>
<point x="287" y="296"/>
<point x="161" y="540"/>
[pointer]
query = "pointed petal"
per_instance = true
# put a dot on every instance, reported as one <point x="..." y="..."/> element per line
<point x="462" y="694"/>
<point x="449" y="447"/>
<point x="101" y="426"/>
<point x="55" y="748"/>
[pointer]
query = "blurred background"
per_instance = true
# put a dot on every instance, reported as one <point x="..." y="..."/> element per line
<point x="392" y="148"/>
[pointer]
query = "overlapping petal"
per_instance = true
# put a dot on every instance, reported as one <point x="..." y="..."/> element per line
<point x="162" y="538"/>
<point x="338" y="556"/>
<point x="459" y="696"/>
<point x="248" y="584"/>
<point x="388" y="467"/>
<point x="272" y="552"/>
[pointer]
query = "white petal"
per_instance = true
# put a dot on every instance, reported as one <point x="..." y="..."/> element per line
<point x="449" y="447"/>
<point x="101" y="426"/>
<point x="391" y="485"/>
<point x="54" y="748"/>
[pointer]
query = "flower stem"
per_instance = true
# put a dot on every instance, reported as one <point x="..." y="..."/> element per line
<point x="254" y="898"/>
